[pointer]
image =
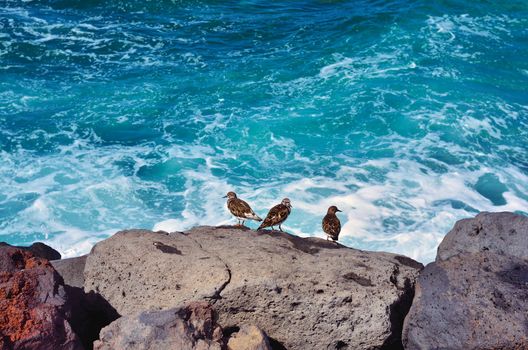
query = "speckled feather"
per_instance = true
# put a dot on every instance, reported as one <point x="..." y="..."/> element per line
<point x="240" y="209"/>
<point x="277" y="215"/>
<point x="332" y="226"/>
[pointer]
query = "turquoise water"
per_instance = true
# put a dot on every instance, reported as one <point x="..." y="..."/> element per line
<point x="407" y="115"/>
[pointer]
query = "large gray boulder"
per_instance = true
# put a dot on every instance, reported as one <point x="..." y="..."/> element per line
<point x="474" y="298"/>
<point x="305" y="293"/>
<point x="473" y="301"/>
<point x="137" y="270"/>
<point x="501" y="233"/>
<point x="192" y="327"/>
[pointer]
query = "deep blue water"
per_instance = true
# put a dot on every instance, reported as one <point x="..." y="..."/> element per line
<point x="407" y="115"/>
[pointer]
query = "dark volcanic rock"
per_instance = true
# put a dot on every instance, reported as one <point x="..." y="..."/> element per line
<point x="191" y="327"/>
<point x="71" y="270"/>
<point x="40" y="250"/>
<point x="303" y="293"/>
<point x="473" y="298"/>
<point x="33" y="308"/>
<point x="44" y="251"/>
<point x="500" y="233"/>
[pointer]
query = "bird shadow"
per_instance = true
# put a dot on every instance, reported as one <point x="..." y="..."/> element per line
<point x="236" y="227"/>
<point x="309" y="245"/>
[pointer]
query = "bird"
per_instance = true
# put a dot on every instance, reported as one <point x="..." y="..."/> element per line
<point x="277" y="215"/>
<point x="240" y="209"/>
<point x="331" y="224"/>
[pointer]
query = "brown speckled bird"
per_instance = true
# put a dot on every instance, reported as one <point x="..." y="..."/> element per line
<point x="277" y="215"/>
<point x="240" y="209"/>
<point x="331" y="224"/>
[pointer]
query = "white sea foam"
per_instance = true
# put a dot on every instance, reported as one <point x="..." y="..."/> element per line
<point x="363" y="217"/>
<point x="77" y="193"/>
<point x="331" y="69"/>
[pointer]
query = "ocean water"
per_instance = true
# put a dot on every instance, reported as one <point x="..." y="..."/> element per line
<point x="407" y="115"/>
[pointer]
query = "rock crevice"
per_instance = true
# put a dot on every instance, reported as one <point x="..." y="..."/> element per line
<point x="220" y="289"/>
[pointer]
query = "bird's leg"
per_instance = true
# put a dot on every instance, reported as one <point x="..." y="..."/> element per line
<point x="280" y="228"/>
<point x="238" y="222"/>
<point x="327" y="238"/>
<point x="243" y="221"/>
<point x="272" y="228"/>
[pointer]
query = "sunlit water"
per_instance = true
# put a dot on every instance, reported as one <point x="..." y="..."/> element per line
<point x="407" y="115"/>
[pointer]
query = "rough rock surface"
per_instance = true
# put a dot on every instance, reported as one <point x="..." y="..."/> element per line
<point x="33" y="307"/>
<point x="304" y="293"/>
<point x="71" y="270"/>
<point x="40" y="250"/>
<point x="501" y="233"/>
<point x="474" y="301"/>
<point x="192" y="327"/>
<point x="249" y="338"/>
<point x="138" y="270"/>
<point x="473" y="298"/>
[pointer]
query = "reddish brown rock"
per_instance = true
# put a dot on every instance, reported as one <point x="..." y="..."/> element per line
<point x="33" y="308"/>
<point x="39" y="249"/>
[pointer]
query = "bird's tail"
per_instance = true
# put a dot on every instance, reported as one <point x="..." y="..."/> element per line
<point x="254" y="216"/>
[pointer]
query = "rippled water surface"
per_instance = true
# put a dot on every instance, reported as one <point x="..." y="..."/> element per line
<point x="407" y="115"/>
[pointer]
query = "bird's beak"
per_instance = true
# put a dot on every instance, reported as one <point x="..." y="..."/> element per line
<point x="225" y="196"/>
<point x="339" y="210"/>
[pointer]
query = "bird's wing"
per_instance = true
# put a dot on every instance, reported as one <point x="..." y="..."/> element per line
<point x="276" y="215"/>
<point x="240" y="208"/>
<point x="331" y="225"/>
